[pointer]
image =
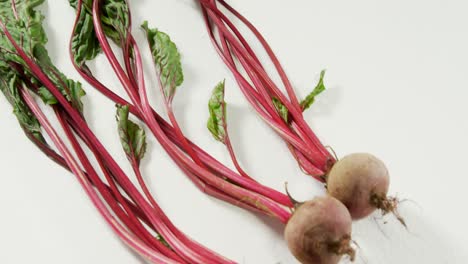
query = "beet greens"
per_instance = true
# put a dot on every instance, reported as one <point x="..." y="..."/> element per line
<point x="23" y="50"/>
<point x="208" y="174"/>
<point x="27" y="73"/>
<point x="283" y="112"/>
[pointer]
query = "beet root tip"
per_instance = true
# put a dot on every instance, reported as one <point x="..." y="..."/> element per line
<point x="388" y="205"/>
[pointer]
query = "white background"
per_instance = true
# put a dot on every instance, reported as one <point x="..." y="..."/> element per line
<point x="398" y="88"/>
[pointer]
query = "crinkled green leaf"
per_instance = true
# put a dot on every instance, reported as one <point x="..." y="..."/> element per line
<point x="166" y="58"/>
<point x="115" y="19"/>
<point x="25" y="27"/>
<point x="26" y="118"/>
<point x="75" y="94"/>
<point x="281" y="109"/>
<point x="115" y="15"/>
<point x="71" y="89"/>
<point x="5" y="87"/>
<point x="319" y="88"/>
<point x="217" y="108"/>
<point x="24" y="23"/>
<point x="46" y="96"/>
<point x="132" y="136"/>
<point x="84" y="44"/>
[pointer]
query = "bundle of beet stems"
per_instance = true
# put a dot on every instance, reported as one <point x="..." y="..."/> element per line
<point x="317" y="237"/>
<point x="208" y="174"/>
<point x="313" y="236"/>
<point x="360" y="181"/>
<point x="27" y="72"/>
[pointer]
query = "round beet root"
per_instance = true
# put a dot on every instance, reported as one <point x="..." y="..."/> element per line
<point x="319" y="232"/>
<point x="360" y="181"/>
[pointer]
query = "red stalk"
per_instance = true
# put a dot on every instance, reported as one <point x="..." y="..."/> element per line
<point x="112" y="165"/>
<point x="250" y="64"/>
<point x="169" y="131"/>
<point x="271" y="54"/>
<point x="282" y="130"/>
<point x="234" y="158"/>
<point x="131" y="240"/>
<point x="135" y="224"/>
<point x="230" y="189"/>
<point x="54" y="156"/>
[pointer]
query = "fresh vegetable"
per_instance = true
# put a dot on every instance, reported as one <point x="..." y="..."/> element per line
<point x="26" y="69"/>
<point x="130" y="75"/>
<point x="217" y="124"/>
<point x="355" y="180"/>
<point x="208" y="174"/>
<point x="320" y="231"/>
<point x="283" y="112"/>
<point x="262" y="93"/>
<point x="361" y="182"/>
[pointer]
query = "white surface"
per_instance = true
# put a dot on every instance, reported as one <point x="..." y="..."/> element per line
<point x="398" y="85"/>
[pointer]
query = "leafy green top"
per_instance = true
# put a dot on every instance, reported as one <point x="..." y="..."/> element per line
<point x="217" y="108"/>
<point x="84" y="44"/>
<point x="24" y="24"/>
<point x="305" y="104"/>
<point x="281" y="109"/>
<point x="115" y="19"/>
<point x="319" y="88"/>
<point x="25" y="117"/>
<point x="71" y="89"/>
<point x="166" y="59"/>
<point x="132" y="136"/>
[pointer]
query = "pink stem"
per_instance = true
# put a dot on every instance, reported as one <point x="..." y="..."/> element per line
<point x="205" y="157"/>
<point x="144" y="234"/>
<point x="234" y="158"/>
<point x="133" y="242"/>
<point x="113" y="166"/>
<point x="284" y="132"/>
<point x="102" y="187"/>
<point x="233" y="190"/>
<point x="297" y="115"/>
<point x="224" y="51"/>
<point x="271" y="54"/>
<point x="13" y="7"/>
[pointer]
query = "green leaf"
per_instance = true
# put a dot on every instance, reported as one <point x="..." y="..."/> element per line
<point x="46" y="96"/>
<point x="310" y="99"/>
<point x="25" y="25"/>
<point x="115" y="19"/>
<point x="84" y="44"/>
<point x="217" y="108"/>
<point x="75" y="93"/>
<point x="166" y="57"/>
<point x="163" y="241"/>
<point x="5" y="87"/>
<point x="71" y="89"/>
<point x="281" y="109"/>
<point x="115" y="15"/>
<point x="132" y="136"/>
<point x="25" y="117"/>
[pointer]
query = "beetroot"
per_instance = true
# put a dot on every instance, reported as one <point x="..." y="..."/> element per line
<point x="360" y="181"/>
<point x="319" y="232"/>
